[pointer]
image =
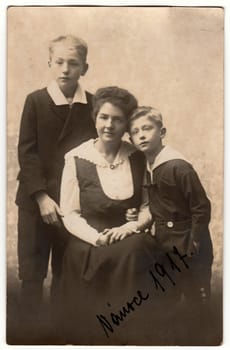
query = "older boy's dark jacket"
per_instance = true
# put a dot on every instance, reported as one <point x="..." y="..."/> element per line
<point x="178" y="204"/>
<point x="47" y="132"/>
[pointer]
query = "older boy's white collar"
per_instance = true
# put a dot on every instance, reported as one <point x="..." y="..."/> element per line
<point x="59" y="98"/>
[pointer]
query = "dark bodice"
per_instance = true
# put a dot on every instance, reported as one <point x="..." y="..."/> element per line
<point x="99" y="210"/>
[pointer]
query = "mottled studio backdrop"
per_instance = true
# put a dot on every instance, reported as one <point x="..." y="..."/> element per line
<point x="171" y="58"/>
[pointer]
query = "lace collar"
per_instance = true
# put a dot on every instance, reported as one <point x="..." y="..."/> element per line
<point x="88" y="151"/>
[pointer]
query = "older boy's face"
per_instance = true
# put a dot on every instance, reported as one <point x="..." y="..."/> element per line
<point x="67" y="66"/>
<point x="145" y="134"/>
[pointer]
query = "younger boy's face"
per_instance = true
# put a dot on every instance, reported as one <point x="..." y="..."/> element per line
<point x="146" y="134"/>
<point x="66" y="66"/>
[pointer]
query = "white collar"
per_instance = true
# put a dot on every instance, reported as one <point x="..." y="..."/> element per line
<point x="167" y="153"/>
<point x="58" y="97"/>
<point x="88" y="152"/>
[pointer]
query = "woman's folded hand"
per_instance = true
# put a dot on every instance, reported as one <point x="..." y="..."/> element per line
<point x="115" y="234"/>
<point x="102" y="238"/>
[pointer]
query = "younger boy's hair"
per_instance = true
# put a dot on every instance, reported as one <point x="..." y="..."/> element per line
<point x="116" y="96"/>
<point x="147" y="111"/>
<point x="73" y="41"/>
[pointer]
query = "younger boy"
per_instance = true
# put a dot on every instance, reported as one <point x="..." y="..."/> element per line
<point x="177" y="200"/>
<point x="54" y="120"/>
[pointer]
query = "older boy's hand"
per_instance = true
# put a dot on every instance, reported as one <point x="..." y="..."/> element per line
<point x="49" y="209"/>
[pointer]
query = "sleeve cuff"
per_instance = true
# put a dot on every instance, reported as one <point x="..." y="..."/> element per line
<point x="78" y="226"/>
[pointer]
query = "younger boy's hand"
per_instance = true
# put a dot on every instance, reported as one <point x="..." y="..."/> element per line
<point x="49" y="209"/>
<point x="194" y="249"/>
<point x="131" y="214"/>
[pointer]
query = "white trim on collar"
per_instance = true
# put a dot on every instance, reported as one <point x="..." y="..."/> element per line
<point x="88" y="152"/>
<point x="58" y="97"/>
<point x="166" y="154"/>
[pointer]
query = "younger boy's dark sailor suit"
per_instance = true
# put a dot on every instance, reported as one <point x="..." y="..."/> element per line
<point x="180" y="210"/>
<point x="50" y="127"/>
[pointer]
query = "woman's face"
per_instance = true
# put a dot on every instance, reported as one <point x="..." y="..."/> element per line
<point x="111" y="123"/>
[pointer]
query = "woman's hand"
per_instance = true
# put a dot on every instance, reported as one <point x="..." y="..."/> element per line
<point x="102" y="239"/>
<point x="116" y="234"/>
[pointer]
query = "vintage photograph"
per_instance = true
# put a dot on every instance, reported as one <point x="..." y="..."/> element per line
<point x="115" y="159"/>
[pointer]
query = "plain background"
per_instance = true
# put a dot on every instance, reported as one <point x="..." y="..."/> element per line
<point x="170" y="58"/>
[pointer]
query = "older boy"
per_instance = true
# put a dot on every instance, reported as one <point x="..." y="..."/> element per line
<point x="54" y="120"/>
<point x="177" y="200"/>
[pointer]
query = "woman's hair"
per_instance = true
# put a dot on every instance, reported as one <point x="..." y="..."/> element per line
<point x="147" y="111"/>
<point x="116" y="96"/>
<point x="74" y="42"/>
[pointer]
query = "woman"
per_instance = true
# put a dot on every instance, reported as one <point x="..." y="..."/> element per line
<point x="107" y="258"/>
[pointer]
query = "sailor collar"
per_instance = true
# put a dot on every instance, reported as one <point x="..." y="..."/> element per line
<point x="167" y="153"/>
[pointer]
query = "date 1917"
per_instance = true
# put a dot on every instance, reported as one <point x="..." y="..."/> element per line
<point x="158" y="272"/>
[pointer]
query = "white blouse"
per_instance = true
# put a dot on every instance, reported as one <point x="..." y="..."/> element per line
<point x="115" y="179"/>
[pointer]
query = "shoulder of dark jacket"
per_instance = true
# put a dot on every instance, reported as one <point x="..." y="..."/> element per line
<point x="89" y="97"/>
<point x="179" y="163"/>
<point x="139" y="156"/>
<point x="37" y="94"/>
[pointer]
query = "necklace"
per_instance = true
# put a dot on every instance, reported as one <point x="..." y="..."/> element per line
<point x="113" y="166"/>
<point x="110" y="158"/>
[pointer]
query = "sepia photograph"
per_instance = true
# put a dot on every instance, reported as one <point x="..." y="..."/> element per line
<point x="115" y="175"/>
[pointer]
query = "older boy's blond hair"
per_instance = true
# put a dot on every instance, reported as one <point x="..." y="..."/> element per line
<point x="73" y="41"/>
<point x="147" y="111"/>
